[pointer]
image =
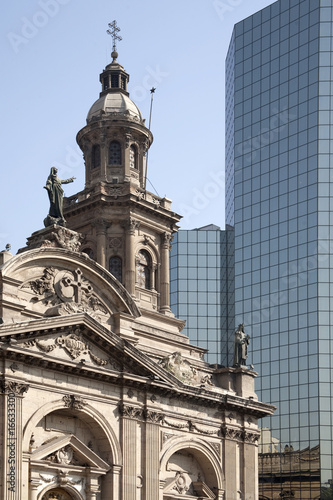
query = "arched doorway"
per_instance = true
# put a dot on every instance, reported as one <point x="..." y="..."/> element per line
<point x="57" y="494"/>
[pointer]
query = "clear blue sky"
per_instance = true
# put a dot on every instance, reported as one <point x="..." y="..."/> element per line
<point x="52" y="54"/>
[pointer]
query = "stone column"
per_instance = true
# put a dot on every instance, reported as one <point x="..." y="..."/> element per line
<point x="165" y="279"/>
<point x="12" y="443"/>
<point x="152" y="465"/>
<point x="101" y="241"/>
<point x="130" y="270"/>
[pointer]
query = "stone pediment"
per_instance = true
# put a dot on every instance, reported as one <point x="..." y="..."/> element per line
<point x="48" y="282"/>
<point x="183" y="487"/>
<point x="80" y="343"/>
<point x="68" y="451"/>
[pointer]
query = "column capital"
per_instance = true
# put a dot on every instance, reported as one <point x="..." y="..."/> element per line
<point x="131" y="225"/>
<point x="11" y="386"/>
<point x="101" y="224"/>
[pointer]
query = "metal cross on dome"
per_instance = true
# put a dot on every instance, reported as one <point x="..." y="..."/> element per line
<point x="113" y="32"/>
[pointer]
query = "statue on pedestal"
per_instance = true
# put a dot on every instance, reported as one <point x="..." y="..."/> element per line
<point x="56" y="196"/>
<point x="240" y="347"/>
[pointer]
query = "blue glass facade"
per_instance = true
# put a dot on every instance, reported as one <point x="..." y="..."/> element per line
<point x="279" y="113"/>
<point x="202" y="288"/>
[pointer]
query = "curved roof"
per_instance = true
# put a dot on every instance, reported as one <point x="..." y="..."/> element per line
<point x="114" y="102"/>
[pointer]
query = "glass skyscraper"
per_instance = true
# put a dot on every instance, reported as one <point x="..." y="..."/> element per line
<point x="279" y="183"/>
<point x="202" y="288"/>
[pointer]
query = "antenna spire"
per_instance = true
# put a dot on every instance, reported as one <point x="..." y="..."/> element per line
<point x="152" y="92"/>
<point x="112" y="31"/>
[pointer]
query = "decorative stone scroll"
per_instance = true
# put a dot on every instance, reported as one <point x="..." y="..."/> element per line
<point x="73" y="344"/>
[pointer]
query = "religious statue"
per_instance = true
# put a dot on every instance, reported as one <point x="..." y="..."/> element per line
<point x="240" y="347"/>
<point x="56" y="196"/>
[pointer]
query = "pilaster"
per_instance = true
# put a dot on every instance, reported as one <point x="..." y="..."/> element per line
<point x="12" y="445"/>
<point x="129" y="437"/>
<point x="152" y="483"/>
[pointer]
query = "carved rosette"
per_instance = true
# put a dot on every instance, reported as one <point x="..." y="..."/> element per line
<point x="115" y="243"/>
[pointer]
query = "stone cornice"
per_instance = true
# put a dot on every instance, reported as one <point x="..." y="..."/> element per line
<point x="143" y="372"/>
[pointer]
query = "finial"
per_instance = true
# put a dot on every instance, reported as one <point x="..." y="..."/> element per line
<point x="113" y="33"/>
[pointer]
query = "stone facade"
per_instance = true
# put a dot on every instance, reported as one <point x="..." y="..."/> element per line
<point x="102" y="396"/>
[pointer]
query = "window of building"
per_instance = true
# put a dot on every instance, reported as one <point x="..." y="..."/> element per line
<point x="114" y="153"/>
<point x="144" y="270"/>
<point x="116" y="267"/>
<point x="133" y="157"/>
<point x="105" y="83"/>
<point x="96" y="156"/>
<point x="114" y="81"/>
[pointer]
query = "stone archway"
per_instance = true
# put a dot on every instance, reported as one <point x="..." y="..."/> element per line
<point x="57" y="494"/>
<point x="192" y="468"/>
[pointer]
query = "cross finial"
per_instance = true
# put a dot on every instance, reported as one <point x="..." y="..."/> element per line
<point x="113" y="30"/>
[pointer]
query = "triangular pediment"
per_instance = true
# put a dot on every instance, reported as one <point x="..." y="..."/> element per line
<point x="79" y="343"/>
<point x="182" y="487"/>
<point x="68" y="450"/>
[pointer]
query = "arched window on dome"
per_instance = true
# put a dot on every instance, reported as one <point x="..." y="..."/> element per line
<point x="116" y="267"/>
<point x="96" y="156"/>
<point x="114" y="153"/>
<point x="133" y="155"/>
<point x="144" y="269"/>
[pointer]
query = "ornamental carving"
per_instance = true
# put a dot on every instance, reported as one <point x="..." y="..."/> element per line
<point x="131" y="411"/>
<point x="9" y="386"/>
<point x="115" y="191"/>
<point x="166" y="436"/>
<point x="115" y="243"/>
<point x="232" y="433"/>
<point x="184" y="371"/>
<point x="65" y="455"/>
<point x="43" y="346"/>
<point x="180" y="483"/>
<point x="74" y="402"/>
<point x="65" y="292"/>
<point x="251" y="437"/>
<point x="154" y="417"/>
<point x="56" y="236"/>
<point x="73" y="344"/>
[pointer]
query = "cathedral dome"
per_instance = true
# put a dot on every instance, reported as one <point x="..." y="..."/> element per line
<point x="114" y="103"/>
